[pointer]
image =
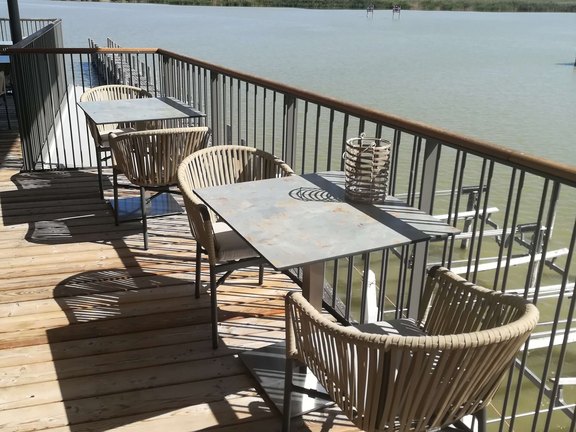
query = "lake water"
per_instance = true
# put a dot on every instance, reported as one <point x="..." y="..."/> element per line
<point x="507" y="78"/>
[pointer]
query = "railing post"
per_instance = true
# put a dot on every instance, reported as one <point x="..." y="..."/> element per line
<point x="165" y="82"/>
<point x="217" y="132"/>
<point x="427" y="190"/>
<point x="290" y="124"/>
<point x="15" y="29"/>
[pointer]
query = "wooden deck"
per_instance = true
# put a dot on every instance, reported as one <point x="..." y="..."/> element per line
<point x="97" y="334"/>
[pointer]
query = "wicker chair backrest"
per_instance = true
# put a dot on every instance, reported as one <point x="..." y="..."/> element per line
<point x="411" y="383"/>
<point x="151" y="158"/>
<point x="220" y="165"/>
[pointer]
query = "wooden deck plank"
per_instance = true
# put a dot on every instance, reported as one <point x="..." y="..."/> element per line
<point x="136" y="402"/>
<point x="244" y="412"/>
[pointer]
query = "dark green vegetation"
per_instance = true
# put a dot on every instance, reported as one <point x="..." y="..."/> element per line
<point x="455" y="5"/>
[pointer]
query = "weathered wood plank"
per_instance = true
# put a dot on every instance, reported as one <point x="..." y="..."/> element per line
<point x="95" y="383"/>
<point x="233" y="330"/>
<point x="139" y="402"/>
<point x="135" y="317"/>
<point x="246" y="412"/>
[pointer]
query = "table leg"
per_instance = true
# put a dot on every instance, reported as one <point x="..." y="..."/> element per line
<point x="267" y="364"/>
<point x="418" y="277"/>
<point x="313" y="284"/>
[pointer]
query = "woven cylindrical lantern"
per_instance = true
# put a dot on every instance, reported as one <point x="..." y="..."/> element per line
<point x="366" y="168"/>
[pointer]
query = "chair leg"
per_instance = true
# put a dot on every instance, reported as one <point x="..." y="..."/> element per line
<point x="99" y="167"/>
<point x="198" y="269"/>
<point x="261" y="274"/>
<point x="286" y="411"/>
<point x="143" y="213"/>
<point x="7" y="114"/>
<point x="478" y="423"/>
<point x="481" y="419"/>
<point x="214" y="307"/>
<point x="115" y="184"/>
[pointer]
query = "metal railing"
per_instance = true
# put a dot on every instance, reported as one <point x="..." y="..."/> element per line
<point x="516" y="211"/>
<point x="28" y="27"/>
<point x="38" y="88"/>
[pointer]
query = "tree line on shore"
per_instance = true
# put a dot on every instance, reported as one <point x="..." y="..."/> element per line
<point x="446" y="5"/>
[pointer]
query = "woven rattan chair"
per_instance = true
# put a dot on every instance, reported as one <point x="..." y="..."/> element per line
<point x="100" y="133"/>
<point x="225" y="249"/>
<point x="150" y="160"/>
<point x="387" y="382"/>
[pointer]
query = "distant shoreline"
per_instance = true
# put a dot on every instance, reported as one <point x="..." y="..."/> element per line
<point x="383" y="5"/>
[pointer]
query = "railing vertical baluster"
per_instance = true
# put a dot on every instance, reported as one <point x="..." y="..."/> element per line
<point x="413" y="178"/>
<point x="505" y="228"/>
<point x="317" y="137"/>
<point x="246" y="122"/>
<point x="255" y="117"/>
<point x="238" y="112"/>
<point x="335" y="274"/>
<point x="404" y="258"/>
<point x="364" y="288"/>
<point x="485" y="197"/>
<point x="274" y="122"/>
<point x="383" y="285"/>
<point x="69" y="113"/>
<point x="426" y="204"/>
<point x="348" y="295"/>
<point x="330" y="141"/>
<point x="344" y="138"/>
<point x="290" y="125"/>
<point x="217" y="137"/>
<point x="304" y="138"/>
<point x="394" y="161"/>
<point x="264" y="114"/>
<point x="231" y="81"/>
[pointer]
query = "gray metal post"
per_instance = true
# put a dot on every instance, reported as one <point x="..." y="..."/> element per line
<point x="217" y="130"/>
<point x="428" y="186"/>
<point x="14" y="14"/>
<point x="290" y="121"/>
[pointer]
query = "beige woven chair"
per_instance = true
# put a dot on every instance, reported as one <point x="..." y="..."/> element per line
<point x="226" y="250"/>
<point x="150" y="159"/>
<point x="383" y="382"/>
<point x="100" y="133"/>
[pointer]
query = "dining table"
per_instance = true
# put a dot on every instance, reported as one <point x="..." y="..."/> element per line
<point x="140" y="112"/>
<point x="303" y="221"/>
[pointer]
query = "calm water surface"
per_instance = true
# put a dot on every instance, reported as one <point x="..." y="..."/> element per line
<point x="503" y="77"/>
